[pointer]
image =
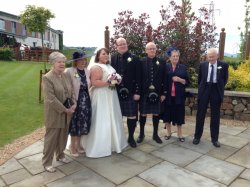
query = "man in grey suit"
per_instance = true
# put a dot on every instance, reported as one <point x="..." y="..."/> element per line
<point x="212" y="78"/>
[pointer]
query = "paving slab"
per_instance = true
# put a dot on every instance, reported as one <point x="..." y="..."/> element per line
<point x="9" y="166"/>
<point x="223" y="152"/>
<point x="241" y="157"/>
<point x="169" y="175"/>
<point x="71" y="167"/>
<point x="16" y="176"/>
<point x="142" y="157"/>
<point x="35" y="148"/>
<point x="177" y="155"/>
<point x="232" y="130"/>
<point x="84" y="177"/>
<point x="247" y="131"/>
<point x="234" y="141"/>
<point x="33" y="163"/>
<point x="240" y="183"/>
<point x="136" y="182"/>
<point x="147" y="148"/>
<point x="117" y="168"/>
<point x="203" y="147"/>
<point x="39" y="180"/>
<point x="244" y="135"/>
<point x="215" y="169"/>
<point x="246" y="174"/>
<point x="2" y="184"/>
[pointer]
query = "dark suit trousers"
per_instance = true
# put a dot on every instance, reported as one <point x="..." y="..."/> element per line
<point x="210" y="95"/>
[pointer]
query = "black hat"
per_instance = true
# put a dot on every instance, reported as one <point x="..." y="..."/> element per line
<point x="78" y="55"/>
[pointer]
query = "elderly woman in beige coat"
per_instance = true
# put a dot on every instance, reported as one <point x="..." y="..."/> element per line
<point x="81" y="119"/>
<point x="56" y="89"/>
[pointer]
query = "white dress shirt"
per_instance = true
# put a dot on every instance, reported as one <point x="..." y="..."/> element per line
<point x="215" y="72"/>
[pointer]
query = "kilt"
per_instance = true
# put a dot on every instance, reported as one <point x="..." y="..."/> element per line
<point x="174" y="113"/>
<point x="129" y="107"/>
<point x="148" y="108"/>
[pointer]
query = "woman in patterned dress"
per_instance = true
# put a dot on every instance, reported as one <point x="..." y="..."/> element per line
<point x="81" y="120"/>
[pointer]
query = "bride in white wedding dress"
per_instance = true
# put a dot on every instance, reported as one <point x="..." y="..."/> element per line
<point x="107" y="131"/>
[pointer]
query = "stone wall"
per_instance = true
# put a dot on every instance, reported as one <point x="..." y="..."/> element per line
<point x="236" y="105"/>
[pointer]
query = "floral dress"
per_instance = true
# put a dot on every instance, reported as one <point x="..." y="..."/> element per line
<point x="81" y="120"/>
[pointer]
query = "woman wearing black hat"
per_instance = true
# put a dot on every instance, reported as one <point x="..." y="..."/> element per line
<point x="81" y="120"/>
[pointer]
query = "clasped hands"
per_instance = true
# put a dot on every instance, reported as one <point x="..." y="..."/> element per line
<point x="70" y="110"/>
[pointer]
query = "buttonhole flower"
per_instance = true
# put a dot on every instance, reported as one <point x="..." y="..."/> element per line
<point x="129" y="59"/>
<point x="76" y="75"/>
<point x="219" y="67"/>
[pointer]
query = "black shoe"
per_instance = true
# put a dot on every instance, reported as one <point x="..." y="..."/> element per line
<point x="140" y="139"/>
<point x="157" y="139"/>
<point x="196" y="141"/>
<point x="132" y="142"/>
<point x="216" y="143"/>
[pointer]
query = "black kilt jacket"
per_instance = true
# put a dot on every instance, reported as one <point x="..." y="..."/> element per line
<point x="129" y="67"/>
<point x="159" y="76"/>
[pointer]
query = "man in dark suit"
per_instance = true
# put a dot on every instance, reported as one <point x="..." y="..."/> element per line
<point x="129" y="67"/>
<point x="154" y="90"/>
<point x="212" y="78"/>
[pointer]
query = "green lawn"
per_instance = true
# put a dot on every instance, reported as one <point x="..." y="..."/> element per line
<point x="20" y="111"/>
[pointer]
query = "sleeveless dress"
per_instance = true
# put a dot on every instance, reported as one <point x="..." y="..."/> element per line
<point x="107" y="131"/>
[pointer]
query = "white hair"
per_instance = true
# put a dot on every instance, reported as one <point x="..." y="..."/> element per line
<point x="56" y="56"/>
<point x="212" y="50"/>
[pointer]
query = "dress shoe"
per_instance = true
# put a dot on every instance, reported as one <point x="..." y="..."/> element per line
<point x="132" y="142"/>
<point x="196" y="141"/>
<point x="140" y="139"/>
<point x="181" y="139"/>
<point x="157" y="139"/>
<point x="216" y="143"/>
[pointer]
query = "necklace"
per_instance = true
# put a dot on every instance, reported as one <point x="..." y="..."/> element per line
<point x="81" y="73"/>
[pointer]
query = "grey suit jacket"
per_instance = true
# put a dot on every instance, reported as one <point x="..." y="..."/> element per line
<point x="56" y="89"/>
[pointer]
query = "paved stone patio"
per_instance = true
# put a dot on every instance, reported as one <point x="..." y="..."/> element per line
<point x="171" y="164"/>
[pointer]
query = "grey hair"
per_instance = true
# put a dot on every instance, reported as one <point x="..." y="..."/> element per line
<point x="56" y="56"/>
<point x="212" y="50"/>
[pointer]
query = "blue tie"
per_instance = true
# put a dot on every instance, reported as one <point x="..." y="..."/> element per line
<point x="211" y="74"/>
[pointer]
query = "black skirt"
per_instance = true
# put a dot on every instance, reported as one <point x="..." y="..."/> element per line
<point x="174" y="113"/>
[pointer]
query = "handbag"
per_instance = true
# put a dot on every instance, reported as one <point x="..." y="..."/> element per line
<point x="68" y="103"/>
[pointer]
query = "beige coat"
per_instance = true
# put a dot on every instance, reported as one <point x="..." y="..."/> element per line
<point x="76" y="80"/>
<point x="56" y="89"/>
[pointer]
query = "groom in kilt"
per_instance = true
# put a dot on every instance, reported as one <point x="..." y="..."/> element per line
<point x="129" y="67"/>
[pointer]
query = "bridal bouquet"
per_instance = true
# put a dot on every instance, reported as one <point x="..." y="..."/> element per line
<point x="114" y="79"/>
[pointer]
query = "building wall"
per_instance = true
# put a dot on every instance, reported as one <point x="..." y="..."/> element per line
<point x="51" y="36"/>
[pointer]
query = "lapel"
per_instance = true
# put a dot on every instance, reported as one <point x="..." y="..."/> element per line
<point x="218" y="71"/>
<point x="206" y="70"/>
<point x="155" y="66"/>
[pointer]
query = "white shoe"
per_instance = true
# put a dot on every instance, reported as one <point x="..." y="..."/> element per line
<point x="64" y="160"/>
<point x="50" y="169"/>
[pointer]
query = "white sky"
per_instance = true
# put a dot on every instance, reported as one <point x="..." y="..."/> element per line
<point x="83" y="21"/>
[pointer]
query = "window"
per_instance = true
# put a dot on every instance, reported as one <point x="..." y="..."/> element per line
<point x="24" y="30"/>
<point x="33" y="34"/>
<point x="2" y="24"/>
<point x="13" y="27"/>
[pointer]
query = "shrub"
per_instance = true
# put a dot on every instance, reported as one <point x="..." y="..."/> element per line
<point x="6" y="54"/>
<point x="239" y="79"/>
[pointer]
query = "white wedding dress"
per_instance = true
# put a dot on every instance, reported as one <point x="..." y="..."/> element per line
<point x="107" y="130"/>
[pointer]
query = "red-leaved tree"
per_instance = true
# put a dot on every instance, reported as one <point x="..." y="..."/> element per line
<point x="178" y="28"/>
